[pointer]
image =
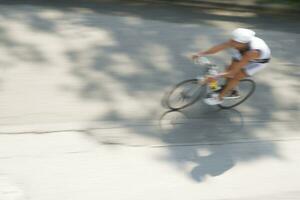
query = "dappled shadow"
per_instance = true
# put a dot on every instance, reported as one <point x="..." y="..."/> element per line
<point x="211" y="139"/>
<point x="204" y="125"/>
<point x="219" y="133"/>
<point x="12" y="48"/>
<point x="117" y="59"/>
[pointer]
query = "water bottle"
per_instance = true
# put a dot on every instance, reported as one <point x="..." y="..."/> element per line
<point x="214" y="83"/>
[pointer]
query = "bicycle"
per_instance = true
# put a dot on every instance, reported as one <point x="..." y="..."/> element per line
<point x="188" y="92"/>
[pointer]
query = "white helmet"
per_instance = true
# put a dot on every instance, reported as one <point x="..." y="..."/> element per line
<point x="242" y="35"/>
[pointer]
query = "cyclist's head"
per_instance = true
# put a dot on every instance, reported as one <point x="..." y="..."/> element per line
<point x="242" y="35"/>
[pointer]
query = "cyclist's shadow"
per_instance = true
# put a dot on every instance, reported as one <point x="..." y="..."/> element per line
<point x="202" y="135"/>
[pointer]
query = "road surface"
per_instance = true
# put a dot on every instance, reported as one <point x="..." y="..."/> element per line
<point x="81" y="112"/>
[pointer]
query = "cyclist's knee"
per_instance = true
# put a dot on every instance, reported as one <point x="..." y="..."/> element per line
<point x="235" y="76"/>
<point x="240" y="75"/>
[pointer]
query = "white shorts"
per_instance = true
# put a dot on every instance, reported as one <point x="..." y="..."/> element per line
<point x="252" y="68"/>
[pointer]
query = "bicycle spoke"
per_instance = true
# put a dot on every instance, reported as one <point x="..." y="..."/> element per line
<point x="184" y="94"/>
<point x="246" y="88"/>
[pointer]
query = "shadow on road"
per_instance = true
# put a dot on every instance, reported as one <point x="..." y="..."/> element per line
<point x="210" y="141"/>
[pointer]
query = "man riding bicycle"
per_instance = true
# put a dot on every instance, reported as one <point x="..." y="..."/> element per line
<point x="252" y="56"/>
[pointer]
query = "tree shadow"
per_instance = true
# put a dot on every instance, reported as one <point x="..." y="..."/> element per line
<point x="23" y="51"/>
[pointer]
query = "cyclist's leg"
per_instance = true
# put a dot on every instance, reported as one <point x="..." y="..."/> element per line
<point x="232" y="83"/>
<point x="249" y="70"/>
<point x="230" y="67"/>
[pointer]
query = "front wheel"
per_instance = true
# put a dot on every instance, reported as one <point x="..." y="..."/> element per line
<point x="245" y="88"/>
<point x="184" y="94"/>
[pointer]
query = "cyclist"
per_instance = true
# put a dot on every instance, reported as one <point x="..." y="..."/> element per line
<point x="252" y="56"/>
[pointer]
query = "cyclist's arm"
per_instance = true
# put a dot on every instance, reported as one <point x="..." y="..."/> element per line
<point x="215" y="49"/>
<point x="237" y="66"/>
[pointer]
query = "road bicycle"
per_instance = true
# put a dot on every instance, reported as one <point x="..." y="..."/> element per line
<point x="188" y="92"/>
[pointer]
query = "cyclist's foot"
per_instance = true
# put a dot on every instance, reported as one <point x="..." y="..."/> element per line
<point x="213" y="100"/>
<point x="234" y="94"/>
<point x="220" y="88"/>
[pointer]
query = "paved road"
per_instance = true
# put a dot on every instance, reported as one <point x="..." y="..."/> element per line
<point x="81" y="114"/>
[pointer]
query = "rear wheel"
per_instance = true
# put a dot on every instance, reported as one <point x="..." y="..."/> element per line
<point x="184" y="94"/>
<point x="245" y="89"/>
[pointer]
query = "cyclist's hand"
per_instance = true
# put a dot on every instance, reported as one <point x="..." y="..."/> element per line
<point x="195" y="56"/>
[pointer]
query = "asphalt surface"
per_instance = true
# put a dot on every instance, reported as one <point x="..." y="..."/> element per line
<point x="81" y="92"/>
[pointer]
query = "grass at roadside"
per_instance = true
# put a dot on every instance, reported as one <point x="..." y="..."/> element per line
<point x="281" y="2"/>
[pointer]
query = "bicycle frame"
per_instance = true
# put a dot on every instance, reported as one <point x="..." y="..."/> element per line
<point x="210" y="70"/>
